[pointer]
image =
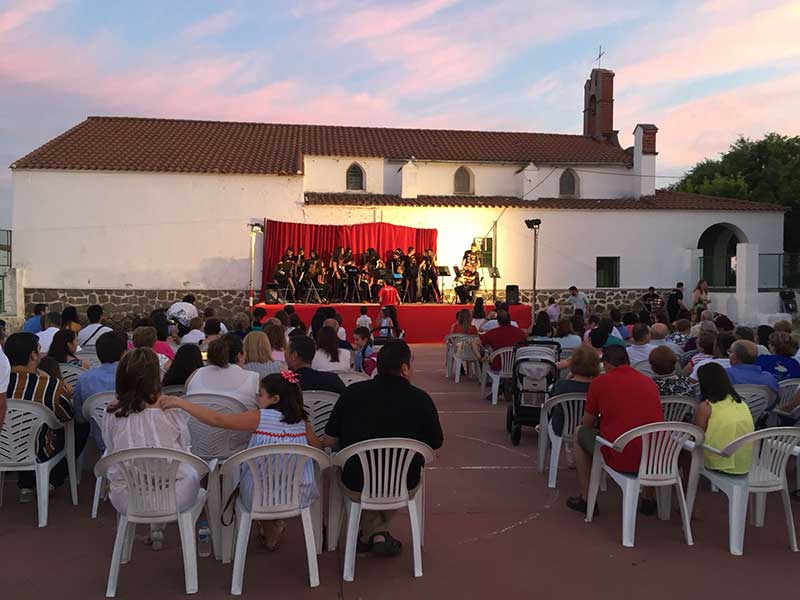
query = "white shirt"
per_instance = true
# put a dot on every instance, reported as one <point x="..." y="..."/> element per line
<point x="364" y="321"/>
<point x="637" y="354"/>
<point x="579" y="301"/>
<point x="5" y="372"/>
<point x="725" y="362"/>
<point x="46" y="338"/>
<point x="674" y="347"/>
<point x="322" y="362"/>
<point x="493" y="325"/>
<point x="230" y="381"/>
<point x="568" y="342"/>
<point x="183" y="312"/>
<point x="91" y="332"/>
<point x="195" y="336"/>
<point x="342" y="334"/>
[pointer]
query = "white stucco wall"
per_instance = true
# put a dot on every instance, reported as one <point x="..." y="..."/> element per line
<point x="594" y="181"/>
<point x="143" y="230"/>
<point x="329" y="173"/>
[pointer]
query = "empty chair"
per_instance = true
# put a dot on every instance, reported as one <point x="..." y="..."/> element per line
<point x="771" y="449"/>
<point x="351" y="377"/>
<point x="506" y="371"/>
<point x="450" y="342"/>
<point x="319" y="405"/>
<point x="661" y="446"/>
<point x="94" y="409"/>
<point x="759" y="398"/>
<point x="572" y="406"/>
<point x="464" y="355"/>
<point x="385" y="464"/>
<point x="150" y="476"/>
<point x="788" y="388"/>
<point x="678" y="408"/>
<point x="70" y="373"/>
<point x="18" y="441"/>
<point x="278" y="493"/>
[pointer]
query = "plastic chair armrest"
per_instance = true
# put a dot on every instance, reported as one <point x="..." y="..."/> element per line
<point x="713" y="450"/>
<point x="603" y="442"/>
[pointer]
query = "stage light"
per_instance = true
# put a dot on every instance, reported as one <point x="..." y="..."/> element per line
<point x="533" y="223"/>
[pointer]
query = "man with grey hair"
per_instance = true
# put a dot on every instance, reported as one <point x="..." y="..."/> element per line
<point x="746" y="333"/>
<point x="744" y="370"/>
<point x="641" y="347"/>
<point x="705" y="317"/>
<point x="658" y="337"/>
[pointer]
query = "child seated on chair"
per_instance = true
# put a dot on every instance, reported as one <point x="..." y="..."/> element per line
<point x="279" y="419"/>
<point x="363" y="342"/>
<point x="136" y="420"/>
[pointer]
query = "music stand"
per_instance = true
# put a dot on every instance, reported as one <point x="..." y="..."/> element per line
<point x="494" y="272"/>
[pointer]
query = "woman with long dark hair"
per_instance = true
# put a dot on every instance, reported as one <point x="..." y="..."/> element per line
<point x="69" y="319"/>
<point x="329" y="356"/>
<point x="187" y="360"/>
<point x="63" y="348"/>
<point x="724" y="417"/>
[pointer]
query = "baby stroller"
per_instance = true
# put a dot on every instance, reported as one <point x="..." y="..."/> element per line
<point x="534" y="372"/>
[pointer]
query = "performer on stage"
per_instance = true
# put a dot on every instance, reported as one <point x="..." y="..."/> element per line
<point x="430" y="277"/>
<point x="388" y="296"/>
<point x="283" y="276"/>
<point x="411" y="275"/>
<point x="472" y="258"/>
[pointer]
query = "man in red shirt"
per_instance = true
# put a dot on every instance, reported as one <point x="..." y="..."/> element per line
<point x="503" y="336"/>
<point x="623" y="399"/>
<point x="388" y="296"/>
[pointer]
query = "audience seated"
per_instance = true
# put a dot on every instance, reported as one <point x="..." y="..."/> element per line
<point x="183" y="312"/>
<point x="35" y="323"/>
<point x="625" y="399"/>
<point x="145" y="337"/>
<point x="297" y="324"/>
<point x="195" y="333"/>
<point x="762" y="333"/>
<point x="744" y="370"/>
<point x="463" y="323"/>
<point x="69" y="319"/>
<point x="88" y="336"/>
<point x="578" y="325"/>
<point x="187" y="360"/>
<point x="299" y="356"/>
<point x="276" y="334"/>
<point x="341" y="337"/>
<point x="504" y="335"/>
<point x="669" y="381"/>
<point x="224" y="374"/>
<point x="165" y="333"/>
<point x="706" y="342"/>
<point x="623" y="332"/>
<point x="681" y="335"/>
<point x="210" y="313"/>
<point x="212" y="330"/>
<point x="386" y="406"/>
<point x="640" y="348"/>
<point x="478" y="314"/>
<point x="591" y="324"/>
<point x="27" y="383"/>
<point x="241" y="324"/>
<point x="658" y="337"/>
<point x="259" y="317"/>
<point x="705" y="317"/>
<point x="565" y="335"/>
<point x="542" y="329"/>
<point x="64" y="346"/>
<point x="584" y="367"/>
<point x="781" y="363"/>
<point x="746" y="333"/>
<point x="364" y="351"/>
<point x="52" y="324"/>
<point x="492" y="322"/>
<point x="278" y="418"/>
<point x="329" y="356"/>
<point x="136" y="421"/>
<point x="722" y="349"/>
<point x="258" y="355"/>
<point x="724" y="418"/>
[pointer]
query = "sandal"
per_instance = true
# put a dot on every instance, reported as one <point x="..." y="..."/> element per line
<point x="271" y="545"/>
<point x="385" y="548"/>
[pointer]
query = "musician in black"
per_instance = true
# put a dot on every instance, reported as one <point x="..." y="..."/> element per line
<point x="472" y="258"/>
<point x="429" y="276"/>
<point x="411" y="276"/>
<point x="284" y="278"/>
<point x="467" y="283"/>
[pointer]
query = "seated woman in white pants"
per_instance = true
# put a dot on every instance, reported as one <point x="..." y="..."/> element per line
<point x="134" y="421"/>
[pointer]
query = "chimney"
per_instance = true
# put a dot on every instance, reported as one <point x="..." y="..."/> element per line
<point x="408" y="176"/>
<point x="644" y="159"/>
<point x="598" y="106"/>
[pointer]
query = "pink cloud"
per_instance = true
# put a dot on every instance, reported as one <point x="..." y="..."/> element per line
<point x="22" y="11"/>
<point x="376" y="21"/>
<point x="212" y="25"/>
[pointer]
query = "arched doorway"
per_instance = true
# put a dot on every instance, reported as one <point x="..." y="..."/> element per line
<point x="718" y="243"/>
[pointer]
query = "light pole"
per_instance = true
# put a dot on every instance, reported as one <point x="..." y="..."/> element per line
<point x="534" y="224"/>
<point x="255" y="229"/>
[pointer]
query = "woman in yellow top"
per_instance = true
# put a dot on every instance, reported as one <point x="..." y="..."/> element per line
<point x="724" y="417"/>
<point x="69" y="319"/>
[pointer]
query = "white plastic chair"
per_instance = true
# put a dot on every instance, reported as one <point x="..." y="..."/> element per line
<point x="173" y="390"/>
<point x="677" y="408"/>
<point x="758" y="398"/>
<point x="572" y="405"/>
<point x="94" y="409"/>
<point x="464" y="354"/>
<point x="319" y="405"/>
<point x="351" y="377"/>
<point x="18" y="437"/>
<point x="70" y="373"/>
<point x="214" y="445"/>
<point x="385" y="464"/>
<point x="150" y="475"/>
<point x="771" y="451"/>
<point x="661" y="445"/>
<point x="506" y="356"/>
<point x="277" y="474"/>
<point x="787" y="388"/>
<point x="643" y="366"/>
<point x="450" y="342"/>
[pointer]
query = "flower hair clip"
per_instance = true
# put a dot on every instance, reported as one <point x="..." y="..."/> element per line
<point x="290" y="376"/>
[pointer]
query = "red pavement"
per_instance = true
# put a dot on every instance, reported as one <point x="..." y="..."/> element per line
<point x="494" y="530"/>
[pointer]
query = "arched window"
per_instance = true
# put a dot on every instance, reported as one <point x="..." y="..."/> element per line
<point x="568" y="184"/>
<point x="462" y="181"/>
<point x="355" y="178"/>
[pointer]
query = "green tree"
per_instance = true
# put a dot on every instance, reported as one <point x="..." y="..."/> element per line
<point x="764" y="170"/>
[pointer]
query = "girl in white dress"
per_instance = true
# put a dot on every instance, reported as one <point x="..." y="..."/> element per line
<point x="136" y="421"/>
<point x="279" y="419"/>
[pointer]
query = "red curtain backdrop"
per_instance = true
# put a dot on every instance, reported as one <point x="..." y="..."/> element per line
<point x="384" y="237"/>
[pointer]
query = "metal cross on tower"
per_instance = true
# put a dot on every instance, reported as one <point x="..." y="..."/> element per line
<point x="600" y="55"/>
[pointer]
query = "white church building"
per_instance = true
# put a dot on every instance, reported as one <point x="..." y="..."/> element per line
<point x="125" y="211"/>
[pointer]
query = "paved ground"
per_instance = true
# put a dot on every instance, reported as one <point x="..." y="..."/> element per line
<point x="494" y="530"/>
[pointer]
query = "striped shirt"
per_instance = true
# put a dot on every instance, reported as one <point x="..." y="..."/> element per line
<point x="46" y="390"/>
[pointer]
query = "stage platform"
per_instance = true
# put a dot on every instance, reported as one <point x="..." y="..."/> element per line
<point x="422" y="323"/>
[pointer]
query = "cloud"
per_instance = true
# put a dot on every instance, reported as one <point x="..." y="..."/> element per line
<point x="212" y="25"/>
<point x="22" y="11"/>
<point x="379" y="20"/>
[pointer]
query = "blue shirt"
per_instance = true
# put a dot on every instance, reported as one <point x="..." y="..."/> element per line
<point x="781" y="367"/>
<point x="96" y="380"/>
<point x="33" y="324"/>
<point x="751" y="375"/>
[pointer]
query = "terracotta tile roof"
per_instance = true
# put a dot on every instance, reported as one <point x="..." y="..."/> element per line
<point x="137" y="144"/>
<point x="662" y="200"/>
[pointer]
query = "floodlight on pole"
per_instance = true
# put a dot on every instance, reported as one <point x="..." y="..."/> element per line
<point x="534" y="224"/>
<point x="255" y="229"/>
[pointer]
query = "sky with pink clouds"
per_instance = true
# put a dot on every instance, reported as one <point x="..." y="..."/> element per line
<point x="704" y="71"/>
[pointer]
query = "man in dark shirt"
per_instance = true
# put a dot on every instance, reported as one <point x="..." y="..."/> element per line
<point x="675" y="302"/>
<point x="386" y="406"/>
<point x="299" y="356"/>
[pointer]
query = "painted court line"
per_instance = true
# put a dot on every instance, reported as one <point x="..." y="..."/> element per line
<point x="468" y="412"/>
<point x="484" y="468"/>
